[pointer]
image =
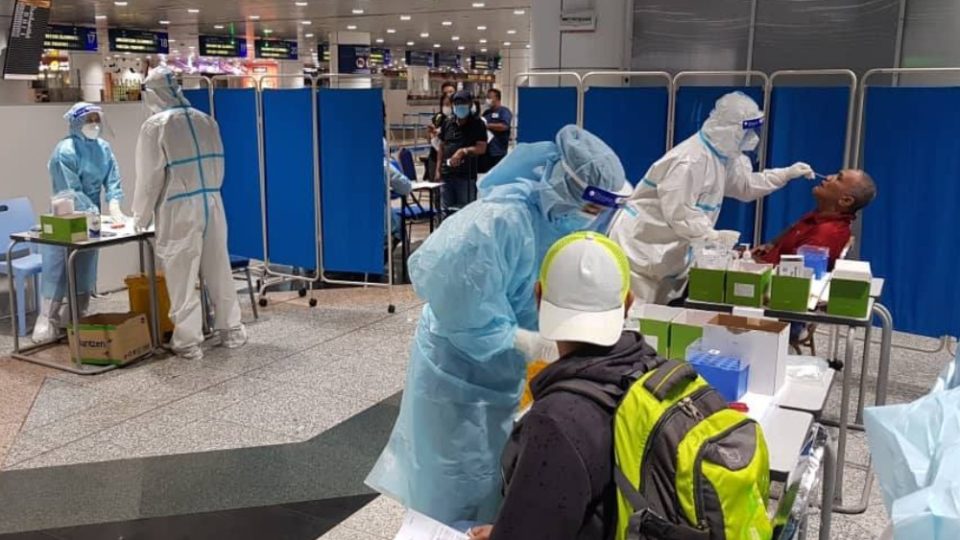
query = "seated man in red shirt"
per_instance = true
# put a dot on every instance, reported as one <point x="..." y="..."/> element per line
<point x="839" y="197"/>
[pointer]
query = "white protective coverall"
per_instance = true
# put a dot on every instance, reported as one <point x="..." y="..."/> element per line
<point x="179" y="173"/>
<point x="678" y="201"/>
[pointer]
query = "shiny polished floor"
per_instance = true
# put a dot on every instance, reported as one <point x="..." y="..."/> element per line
<point x="270" y="441"/>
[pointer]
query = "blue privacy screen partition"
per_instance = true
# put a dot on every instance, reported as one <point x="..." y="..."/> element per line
<point x="633" y="120"/>
<point x="236" y="112"/>
<point x="910" y="232"/>
<point x="813" y="124"/>
<point x="289" y="152"/>
<point x="199" y="99"/>
<point x="693" y="106"/>
<point x="543" y="110"/>
<point x="353" y="186"/>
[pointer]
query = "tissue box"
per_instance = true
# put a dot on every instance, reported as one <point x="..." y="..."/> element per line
<point x="655" y="325"/>
<point x="850" y="289"/>
<point x="68" y="228"/>
<point x="790" y="293"/>
<point x="760" y="343"/>
<point x="748" y="284"/>
<point x="707" y="285"/>
<point x="685" y="329"/>
<point x="727" y="374"/>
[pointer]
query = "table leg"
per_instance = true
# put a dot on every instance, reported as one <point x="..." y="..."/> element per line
<point x="11" y="288"/>
<point x="844" y="411"/>
<point x="886" y="343"/>
<point x="72" y="302"/>
<point x="151" y="268"/>
<point x="864" y="370"/>
<point x="829" y="487"/>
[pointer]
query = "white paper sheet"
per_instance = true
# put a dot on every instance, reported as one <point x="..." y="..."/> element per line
<point x="417" y="526"/>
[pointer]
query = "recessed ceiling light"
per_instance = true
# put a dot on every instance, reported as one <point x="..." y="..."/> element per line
<point x="357" y="11"/>
<point x="436" y="45"/>
<point x="455" y="38"/>
<point x="511" y="31"/>
<point x="447" y="23"/>
<point x="391" y="30"/>
<point x="100" y="17"/>
<point x="351" y="27"/>
<point x="482" y="40"/>
<point x="483" y="49"/>
<point x="506" y="43"/>
<point x="218" y="27"/>
<point x="267" y="31"/>
<point x="308" y="36"/>
<point x="424" y="34"/>
<point x="410" y="44"/>
<point x="164" y="22"/>
<point x="519" y="11"/>
<point x="120" y="4"/>
<point x="478" y="4"/>
<point x="191" y="47"/>
<point x="175" y="52"/>
<point x="379" y="40"/>
<point x="193" y="11"/>
<point x="481" y="28"/>
<point x="528" y="45"/>
<point x="461" y="48"/>
<point x="306" y="23"/>
<point x="301" y="4"/>
<point x="404" y="17"/>
<point x="254" y="17"/>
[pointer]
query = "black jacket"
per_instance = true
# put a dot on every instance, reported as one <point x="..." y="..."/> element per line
<point x="558" y="463"/>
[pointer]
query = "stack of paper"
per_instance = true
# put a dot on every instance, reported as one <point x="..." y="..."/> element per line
<point x="417" y="526"/>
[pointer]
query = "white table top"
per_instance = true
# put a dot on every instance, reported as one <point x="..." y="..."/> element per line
<point x="785" y="432"/>
<point x="805" y="394"/>
<point x="420" y="186"/>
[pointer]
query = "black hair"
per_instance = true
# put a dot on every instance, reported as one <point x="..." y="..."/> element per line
<point x="497" y="92"/>
<point x="863" y="192"/>
<point x="448" y="83"/>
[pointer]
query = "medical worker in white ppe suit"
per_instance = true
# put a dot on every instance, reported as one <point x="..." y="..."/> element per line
<point x="678" y="201"/>
<point x="179" y="173"/>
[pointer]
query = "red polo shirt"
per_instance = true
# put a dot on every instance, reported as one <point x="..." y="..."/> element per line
<point x="814" y="229"/>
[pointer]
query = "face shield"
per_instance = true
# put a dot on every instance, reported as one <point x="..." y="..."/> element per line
<point x="752" y="130"/>
<point x="88" y="121"/>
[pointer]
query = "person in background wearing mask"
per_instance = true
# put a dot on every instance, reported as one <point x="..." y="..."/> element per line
<point x="478" y="329"/>
<point x="433" y="128"/>
<point x="83" y="164"/>
<point x="678" y="201"/>
<point x="463" y="138"/>
<point x="498" y="119"/>
<point x="179" y="172"/>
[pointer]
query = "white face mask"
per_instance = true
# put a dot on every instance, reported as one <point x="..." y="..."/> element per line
<point x="489" y="102"/>
<point x="750" y="142"/>
<point x="447" y="110"/>
<point x="91" y="131"/>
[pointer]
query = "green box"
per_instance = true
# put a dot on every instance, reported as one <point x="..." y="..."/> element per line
<point x="685" y="329"/>
<point x="655" y="325"/>
<point x="849" y="298"/>
<point x="790" y="293"/>
<point x="68" y="228"/>
<point x="748" y="284"/>
<point x="707" y="285"/>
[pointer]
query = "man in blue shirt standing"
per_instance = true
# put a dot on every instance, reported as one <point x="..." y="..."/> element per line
<point x="498" y="119"/>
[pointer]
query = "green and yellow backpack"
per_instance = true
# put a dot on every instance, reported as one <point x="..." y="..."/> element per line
<point x="687" y="466"/>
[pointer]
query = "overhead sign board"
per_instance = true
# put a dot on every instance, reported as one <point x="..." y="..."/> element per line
<point x="420" y="58"/>
<point x="223" y="46"/>
<point x="28" y="26"/>
<point x="139" y="41"/>
<point x="353" y="59"/>
<point x="70" y="38"/>
<point x="276" y="49"/>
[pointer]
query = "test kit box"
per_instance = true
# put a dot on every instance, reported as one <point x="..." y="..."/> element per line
<point x="790" y="293"/>
<point x="748" y="284"/>
<point x="707" y="285"/>
<point x="655" y="324"/>
<point x="686" y="329"/>
<point x="112" y="338"/>
<point x="68" y="228"/>
<point x="760" y="343"/>
<point x="850" y="289"/>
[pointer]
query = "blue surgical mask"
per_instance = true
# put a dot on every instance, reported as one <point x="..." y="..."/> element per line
<point x="572" y="222"/>
<point x="462" y="111"/>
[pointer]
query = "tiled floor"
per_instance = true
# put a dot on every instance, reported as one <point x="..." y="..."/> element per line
<point x="296" y="415"/>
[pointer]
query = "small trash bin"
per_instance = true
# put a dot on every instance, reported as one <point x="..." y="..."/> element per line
<point x="138" y="290"/>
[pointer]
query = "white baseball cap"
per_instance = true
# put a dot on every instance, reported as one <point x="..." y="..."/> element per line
<point x="584" y="282"/>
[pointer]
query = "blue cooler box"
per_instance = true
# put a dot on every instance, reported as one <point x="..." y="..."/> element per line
<point x="726" y="374"/>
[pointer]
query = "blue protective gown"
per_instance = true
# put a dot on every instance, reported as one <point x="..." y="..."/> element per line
<point x="85" y="166"/>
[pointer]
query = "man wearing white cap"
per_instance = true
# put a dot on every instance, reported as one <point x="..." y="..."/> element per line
<point x="558" y="464"/>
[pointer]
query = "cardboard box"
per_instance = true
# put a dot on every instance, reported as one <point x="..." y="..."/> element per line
<point x="748" y="284"/>
<point x="790" y="293"/>
<point x="68" y="228"/>
<point x="685" y="329"/>
<point x="707" y="285"/>
<point x="112" y="338"/>
<point x="760" y="343"/>
<point x="655" y="325"/>
<point x="850" y="289"/>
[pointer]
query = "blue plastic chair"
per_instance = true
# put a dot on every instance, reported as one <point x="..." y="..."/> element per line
<point x="16" y="215"/>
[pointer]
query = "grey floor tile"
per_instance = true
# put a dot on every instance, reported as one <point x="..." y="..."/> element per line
<point x="354" y="376"/>
<point x="147" y="431"/>
<point x="295" y="368"/>
<point x="104" y="414"/>
<point x="82" y="451"/>
<point x="381" y="518"/>
<point x="208" y="435"/>
<point x="294" y="411"/>
<point x="26" y="447"/>
<point x="342" y="532"/>
<point x="217" y="397"/>
<point x="57" y="400"/>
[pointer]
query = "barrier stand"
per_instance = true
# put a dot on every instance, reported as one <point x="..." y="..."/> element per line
<point x="762" y="148"/>
<point x="375" y="81"/>
<point x="271" y="276"/>
<point x="528" y="75"/>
